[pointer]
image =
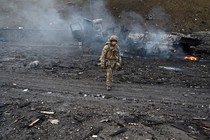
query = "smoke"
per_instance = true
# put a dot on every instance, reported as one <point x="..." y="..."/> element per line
<point x="147" y="34"/>
<point x="33" y="14"/>
<point x="91" y="14"/>
<point x="52" y="23"/>
<point x="41" y="20"/>
<point x="133" y="21"/>
<point x="35" y="22"/>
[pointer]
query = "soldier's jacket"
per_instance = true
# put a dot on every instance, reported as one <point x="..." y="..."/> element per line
<point x="110" y="55"/>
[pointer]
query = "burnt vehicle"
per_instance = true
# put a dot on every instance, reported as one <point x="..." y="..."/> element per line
<point x="158" y="44"/>
<point x="90" y="35"/>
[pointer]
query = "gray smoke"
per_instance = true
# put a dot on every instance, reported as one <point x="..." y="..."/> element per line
<point x="38" y="14"/>
<point x="52" y="23"/>
<point x="148" y="32"/>
<point x="133" y="21"/>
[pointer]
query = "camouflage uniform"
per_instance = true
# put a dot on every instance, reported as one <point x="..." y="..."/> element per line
<point x="110" y="60"/>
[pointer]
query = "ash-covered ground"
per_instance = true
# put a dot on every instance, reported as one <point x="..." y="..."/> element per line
<point x="50" y="90"/>
<point x="152" y="99"/>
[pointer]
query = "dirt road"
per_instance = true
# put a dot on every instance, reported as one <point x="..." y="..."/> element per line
<point x="151" y="99"/>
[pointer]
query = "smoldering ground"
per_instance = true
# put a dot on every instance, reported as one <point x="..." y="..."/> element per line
<point x="151" y="99"/>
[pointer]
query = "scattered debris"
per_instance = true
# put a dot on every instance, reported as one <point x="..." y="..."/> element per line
<point x="24" y="104"/>
<point x="54" y="121"/>
<point x="94" y="132"/>
<point x="79" y="119"/>
<point x="80" y="73"/>
<point x="208" y="129"/>
<point x="47" y="112"/>
<point x="170" y="68"/>
<point x="34" y="122"/>
<point x="20" y="28"/>
<point x="149" y="120"/>
<point x="105" y="121"/>
<point x="131" y="119"/>
<point x="91" y="112"/>
<point x="206" y="125"/>
<point x="17" y="120"/>
<point x="34" y="64"/>
<point x="38" y="119"/>
<point x="25" y="90"/>
<point x="121" y="113"/>
<point x="197" y="118"/>
<point x="94" y="136"/>
<point x="120" y="131"/>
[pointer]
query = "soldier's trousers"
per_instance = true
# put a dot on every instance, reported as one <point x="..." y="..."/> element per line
<point x="110" y="67"/>
<point x="109" y="76"/>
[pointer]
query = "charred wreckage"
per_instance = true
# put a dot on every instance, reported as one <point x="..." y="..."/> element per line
<point x="90" y="36"/>
<point x="146" y="44"/>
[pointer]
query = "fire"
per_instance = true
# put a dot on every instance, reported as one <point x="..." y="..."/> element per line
<point x="192" y="58"/>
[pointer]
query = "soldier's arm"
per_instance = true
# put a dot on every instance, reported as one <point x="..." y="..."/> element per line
<point x="103" y="55"/>
<point x="119" y="56"/>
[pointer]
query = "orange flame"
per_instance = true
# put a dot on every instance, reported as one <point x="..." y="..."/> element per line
<point x="191" y="58"/>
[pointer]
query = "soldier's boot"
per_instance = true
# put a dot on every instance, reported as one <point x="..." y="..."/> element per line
<point x="108" y="88"/>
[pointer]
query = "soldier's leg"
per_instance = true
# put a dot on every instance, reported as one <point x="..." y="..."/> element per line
<point x="109" y="73"/>
<point x="112" y="79"/>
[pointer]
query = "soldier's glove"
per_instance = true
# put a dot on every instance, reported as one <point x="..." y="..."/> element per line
<point x="103" y="66"/>
<point x="118" y="66"/>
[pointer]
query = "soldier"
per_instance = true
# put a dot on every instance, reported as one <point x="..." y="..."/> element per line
<point x="110" y="59"/>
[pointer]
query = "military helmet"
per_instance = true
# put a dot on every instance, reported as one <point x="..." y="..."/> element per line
<point x="113" y="38"/>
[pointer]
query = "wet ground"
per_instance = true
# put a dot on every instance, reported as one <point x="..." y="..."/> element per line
<point x="151" y="99"/>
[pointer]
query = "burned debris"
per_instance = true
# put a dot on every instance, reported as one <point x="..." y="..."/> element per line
<point x="90" y="36"/>
<point x="158" y="43"/>
<point x="161" y="44"/>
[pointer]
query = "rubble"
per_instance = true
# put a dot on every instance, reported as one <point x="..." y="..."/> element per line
<point x="120" y="131"/>
<point x="51" y="85"/>
<point x="54" y="121"/>
<point x="94" y="132"/>
<point x="138" y="107"/>
<point x="34" y="64"/>
<point x="23" y="104"/>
